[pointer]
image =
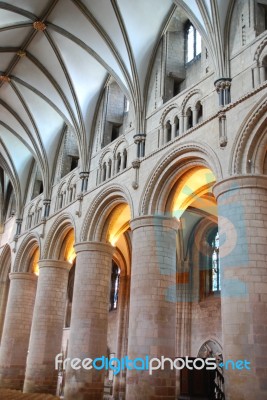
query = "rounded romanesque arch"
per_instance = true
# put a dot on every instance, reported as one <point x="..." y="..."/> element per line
<point x="97" y="218"/>
<point x="5" y="263"/>
<point x="56" y="235"/>
<point x="169" y="113"/>
<point x="30" y="244"/>
<point x="249" y="149"/>
<point x="191" y="99"/>
<point x="169" y="167"/>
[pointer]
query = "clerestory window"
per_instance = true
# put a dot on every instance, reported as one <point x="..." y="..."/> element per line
<point x="193" y="43"/>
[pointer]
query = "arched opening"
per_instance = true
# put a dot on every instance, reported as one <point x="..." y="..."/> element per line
<point x="104" y="172"/>
<point x="177" y="126"/>
<point x="264" y="68"/>
<point x="67" y="253"/>
<point x="189" y="119"/>
<point x="118" y="163"/>
<point x="168" y="131"/>
<point x="199" y="111"/>
<point x="118" y="235"/>
<point x="192" y="203"/>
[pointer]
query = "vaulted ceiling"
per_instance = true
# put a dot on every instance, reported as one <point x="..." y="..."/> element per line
<point x="56" y="56"/>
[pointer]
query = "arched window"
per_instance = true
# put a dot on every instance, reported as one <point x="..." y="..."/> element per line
<point x="189" y="118"/>
<point x="264" y="69"/>
<point x="104" y="172"/>
<point x="177" y="126"/>
<point x="124" y="154"/>
<point x="109" y="168"/>
<point x="193" y="42"/>
<point x="114" y="287"/>
<point x="168" y="131"/>
<point x="199" y="110"/>
<point x="118" y="166"/>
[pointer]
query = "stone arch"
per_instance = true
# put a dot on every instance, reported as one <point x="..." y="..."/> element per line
<point x="249" y="149"/>
<point x="5" y="263"/>
<point x="169" y="113"/>
<point x="118" y="144"/>
<point x="260" y="53"/>
<point x="26" y="250"/>
<point x="96" y="219"/>
<point x="103" y="155"/>
<point x="164" y="176"/>
<point x="186" y="101"/>
<point x="54" y="240"/>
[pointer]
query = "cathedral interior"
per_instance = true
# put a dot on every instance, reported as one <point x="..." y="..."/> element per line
<point x="133" y="198"/>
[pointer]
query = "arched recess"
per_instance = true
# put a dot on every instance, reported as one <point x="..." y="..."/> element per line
<point x="181" y="187"/>
<point x="58" y="243"/>
<point x="249" y="149"/>
<point x="94" y="226"/>
<point x="164" y="176"/>
<point x="5" y="265"/>
<point x="28" y="254"/>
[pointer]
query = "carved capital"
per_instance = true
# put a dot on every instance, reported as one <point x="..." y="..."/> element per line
<point x="222" y="84"/>
<point x="136" y="163"/>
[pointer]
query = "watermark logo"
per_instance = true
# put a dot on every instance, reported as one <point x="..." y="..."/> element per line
<point x="146" y="363"/>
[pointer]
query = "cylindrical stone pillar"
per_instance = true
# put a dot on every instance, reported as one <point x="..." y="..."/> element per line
<point x="4" y="288"/>
<point x="242" y="211"/>
<point x="89" y="321"/>
<point x="47" y="327"/>
<point x="152" y="306"/>
<point x="17" y="328"/>
<point x="119" y="385"/>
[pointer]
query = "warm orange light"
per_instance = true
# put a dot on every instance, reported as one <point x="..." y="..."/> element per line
<point x="69" y="247"/>
<point x="191" y="189"/>
<point x="34" y="262"/>
<point x="119" y="223"/>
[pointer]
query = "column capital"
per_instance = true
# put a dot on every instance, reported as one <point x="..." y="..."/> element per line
<point x="222" y="83"/>
<point x="54" y="264"/>
<point x="239" y="182"/>
<point x="84" y="175"/>
<point x="139" y="137"/>
<point x="23" y="275"/>
<point x="154" y="220"/>
<point x="94" y="246"/>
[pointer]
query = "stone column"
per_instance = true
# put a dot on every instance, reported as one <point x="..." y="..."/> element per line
<point x="89" y="322"/>
<point x="17" y="328"/>
<point x="173" y="130"/>
<point x="119" y="385"/>
<point x="4" y="288"/>
<point x="195" y="115"/>
<point x="242" y="209"/>
<point x="262" y="74"/>
<point x="161" y="137"/>
<point x="47" y="327"/>
<point x="152" y="305"/>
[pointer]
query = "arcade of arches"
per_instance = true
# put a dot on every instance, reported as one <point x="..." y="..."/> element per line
<point x="133" y="189"/>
